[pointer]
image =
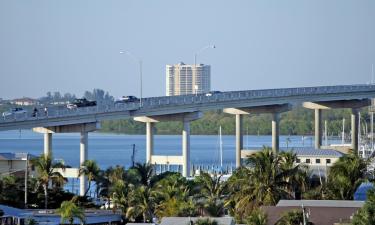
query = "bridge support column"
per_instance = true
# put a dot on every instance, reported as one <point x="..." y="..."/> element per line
<point x="149" y="141"/>
<point x="318" y="128"/>
<point x="47" y="143"/>
<point x="239" y="138"/>
<point x="355" y="123"/>
<point x="82" y="159"/>
<point x="186" y="149"/>
<point x="275" y="132"/>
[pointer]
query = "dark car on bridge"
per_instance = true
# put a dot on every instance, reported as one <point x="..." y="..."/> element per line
<point x="127" y="99"/>
<point x="80" y="102"/>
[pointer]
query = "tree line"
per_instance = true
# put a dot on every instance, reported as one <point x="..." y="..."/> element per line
<point x="142" y="195"/>
<point x="299" y="121"/>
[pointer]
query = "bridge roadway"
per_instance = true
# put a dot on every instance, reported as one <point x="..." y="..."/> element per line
<point x="58" y="116"/>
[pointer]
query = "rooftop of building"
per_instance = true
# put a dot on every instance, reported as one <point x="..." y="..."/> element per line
<point x="42" y="216"/>
<point x="321" y="203"/>
<point x="307" y="151"/>
<point x="15" y="156"/>
<point x="186" y="220"/>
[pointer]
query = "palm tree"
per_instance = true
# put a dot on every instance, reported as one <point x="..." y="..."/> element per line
<point x="46" y="172"/>
<point x="145" y="172"/>
<point x="213" y="192"/>
<point x="91" y="169"/>
<point x="69" y="210"/>
<point x="173" y="195"/>
<point x="141" y="203"/>
<point x="257" y="217"/>
<point x="273" y="176"/>
<point x="345" y="176"/>
<point x="268" y="177"/>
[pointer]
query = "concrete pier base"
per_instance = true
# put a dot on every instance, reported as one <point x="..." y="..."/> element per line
<point x="275" y="132"/>
<point x="47" y="143"/>
<point x="186" y="149"/>
<point x="83" y="157"/>
<point x="354" y="124"/>
<point x="239" y="138"/>
<point x="318" y="128"/>
<point x="183" y="159"/>
<point x="149" y="141"/>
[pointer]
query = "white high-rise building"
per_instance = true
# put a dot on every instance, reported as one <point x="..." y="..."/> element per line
<point x="185" y="79"/>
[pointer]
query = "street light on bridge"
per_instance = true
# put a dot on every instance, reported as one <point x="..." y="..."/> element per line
<point x="195" y="64"/>
<point x="139" y="60"/>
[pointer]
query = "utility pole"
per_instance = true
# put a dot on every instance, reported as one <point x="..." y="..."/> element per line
<point x="133" y="156"/>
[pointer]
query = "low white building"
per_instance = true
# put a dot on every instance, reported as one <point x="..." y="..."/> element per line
<point x="15" y="164"/>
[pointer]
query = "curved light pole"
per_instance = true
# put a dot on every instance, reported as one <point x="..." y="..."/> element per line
<point x="139" y="60"/>
<point x="195" y="62"/>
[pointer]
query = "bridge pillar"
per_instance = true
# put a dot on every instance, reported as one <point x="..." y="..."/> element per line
<point x="183" y="159"/>
<point x="275" y="132"/>
<point x="275" y="110"/>
<point x="354" y="104"/>
<point x="355" y="123"/>
<point x="47" y="143"/>
<point x="83" y="129"/>
<point x="83" y="147"/>
<point x="149" y="141"/>
<point x="186" y="149"/>
<point x="239" y="138"/>
<point x="318" y="128"/>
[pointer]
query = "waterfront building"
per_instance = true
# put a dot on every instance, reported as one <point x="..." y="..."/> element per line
<point x="15" y="164"/>
<point x="24" y="101"/>
<point x="183" y="79"/>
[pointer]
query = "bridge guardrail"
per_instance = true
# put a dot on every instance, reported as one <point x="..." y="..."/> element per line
<point x="155" y="102"/>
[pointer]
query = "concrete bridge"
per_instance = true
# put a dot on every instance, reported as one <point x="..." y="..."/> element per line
<point x="190" y="107"/>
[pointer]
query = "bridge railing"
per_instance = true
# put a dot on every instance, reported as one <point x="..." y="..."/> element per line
<point x="171" y="101"/>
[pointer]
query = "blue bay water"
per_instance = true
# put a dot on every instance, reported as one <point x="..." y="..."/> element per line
<point x="116" y="149"/>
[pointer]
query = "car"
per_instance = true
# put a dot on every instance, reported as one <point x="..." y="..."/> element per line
<point x="14" y="111"/>
<point x="127" y="99"/>
<point x="212" y="93"/>
<point x="80" y="102"/>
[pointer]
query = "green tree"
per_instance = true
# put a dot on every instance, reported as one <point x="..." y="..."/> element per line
<point x="257" y="217"/>
<point x="366" y="215"/>
<point x="173" y="197"/>
<point x="47" y="172"/>
<point x="206" y="221"/>
<point x="91" y="169"/>
<point x="345" y="176"/>
<point x="268" y="177"/>
<point x="69" y="210"/>
<point x="294" y="217"/>
<point x="212" y="193"/>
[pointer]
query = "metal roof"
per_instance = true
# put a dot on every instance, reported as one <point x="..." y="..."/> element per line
<point x="186" y="220"/>
<point x="301" y="151"/>
<point x="322" y="203"/>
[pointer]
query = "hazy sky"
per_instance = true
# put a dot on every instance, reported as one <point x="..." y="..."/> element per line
<point x="72" y="46"/>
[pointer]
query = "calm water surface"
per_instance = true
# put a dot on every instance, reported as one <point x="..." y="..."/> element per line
<point x="116" y="149"/>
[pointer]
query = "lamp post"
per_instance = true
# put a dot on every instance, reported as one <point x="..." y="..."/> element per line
<point x="139" y="60"/>
<point x="195" y="61"/>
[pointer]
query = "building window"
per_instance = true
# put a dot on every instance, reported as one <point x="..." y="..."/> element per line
<point x="317" y="161"/>
<point x="328" y="161"/>
<point x="298" y="160"/>
<point x="307" y="160"/>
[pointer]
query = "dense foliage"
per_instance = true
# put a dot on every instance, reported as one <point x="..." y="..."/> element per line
<point x="143" y="196"/>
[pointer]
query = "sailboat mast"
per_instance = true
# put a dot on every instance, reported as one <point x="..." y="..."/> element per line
<point x="221" y="148"/>
<point x="343" y="131"/>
